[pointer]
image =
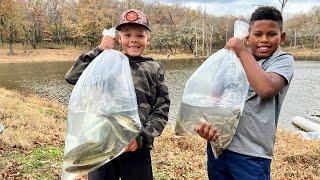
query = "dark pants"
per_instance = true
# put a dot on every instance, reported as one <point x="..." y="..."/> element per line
<point x="129" y="166"/>
<point x="231" y="165"/>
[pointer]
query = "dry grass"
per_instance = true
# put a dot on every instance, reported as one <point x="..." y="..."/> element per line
<point x="295" y="158"/>
<point x="30" y="121"/>
<point x="169" y="56"/>
<point x="39" y="55"/>
<point x="31" y="146"/>
<point x="304" y="52"/>
<point x="179" y="158"/>
<point x="70" y="53"/>
<point x="34" y="131"/>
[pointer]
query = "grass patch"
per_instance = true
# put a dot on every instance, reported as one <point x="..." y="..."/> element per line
<point x="40" y="163"/>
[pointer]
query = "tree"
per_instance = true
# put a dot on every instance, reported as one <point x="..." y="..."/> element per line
<point x="10" y="22"/>
<point x="283" y="3"/>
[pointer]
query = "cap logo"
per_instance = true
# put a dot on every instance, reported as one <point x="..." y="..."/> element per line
<point x="132" y="16"/>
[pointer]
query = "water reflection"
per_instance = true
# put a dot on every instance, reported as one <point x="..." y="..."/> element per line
<point x="47" y="80"/>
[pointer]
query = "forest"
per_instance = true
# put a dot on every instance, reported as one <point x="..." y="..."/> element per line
<point x="175" y="28"/>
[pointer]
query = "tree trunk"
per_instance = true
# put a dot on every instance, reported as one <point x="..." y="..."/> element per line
<point x="226" y="31"/>
<point x="33" y="40"/>
<point x="10" y="40"/>
<point x="168" y="46"/>
<point x="203" y="35"/>
<point x="295" y="39"/>
<point x="1" y="38"/>
<point x="195" y="53"/>
<point x="203" y="43"/>
<point x="189" y="44"/>
<point x="10" y="53"/>
<point x="283" y="3"/>
<point x="211" y="40"/>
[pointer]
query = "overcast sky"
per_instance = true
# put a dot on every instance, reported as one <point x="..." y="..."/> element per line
<point x="244" y="7"/>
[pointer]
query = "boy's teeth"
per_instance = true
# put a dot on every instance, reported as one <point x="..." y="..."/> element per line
<point x="263" y="48"/>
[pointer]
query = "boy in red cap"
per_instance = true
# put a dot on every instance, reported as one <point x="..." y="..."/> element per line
<point x="152" y="97"/>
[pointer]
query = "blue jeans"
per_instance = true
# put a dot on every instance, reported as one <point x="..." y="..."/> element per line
<point x="232" y="165"/>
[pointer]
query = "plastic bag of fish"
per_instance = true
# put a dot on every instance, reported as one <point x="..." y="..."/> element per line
<point x="102" y="115"/>
<point x="215" y="93"/>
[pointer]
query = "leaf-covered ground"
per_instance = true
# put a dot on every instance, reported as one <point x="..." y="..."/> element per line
<point x="31" y="147"/>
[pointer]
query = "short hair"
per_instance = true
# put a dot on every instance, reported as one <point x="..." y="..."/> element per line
<point x="267" y="13"/>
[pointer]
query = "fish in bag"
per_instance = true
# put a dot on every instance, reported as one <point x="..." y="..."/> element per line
<point x="102" y="114"/>
<point x="215" y="93"/>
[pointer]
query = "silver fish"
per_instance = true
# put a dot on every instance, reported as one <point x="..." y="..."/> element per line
<point x="183" y="128"/>
<point x="79" y="169"/>
<point x="110" y="141"/>
<point x="118" y="131"/>
<point x="82" y="150"/>
<point x="127" y="123"/>
<point x="94" y="158"/>
<point x="228" y="129"/>
<point x="98" y="155"/>
<point x="110" y="129"/>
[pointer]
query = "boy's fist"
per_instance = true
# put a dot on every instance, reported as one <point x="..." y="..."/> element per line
<point x="207" y="131"/>
<point x="236" y="45"/>
<point x="132" y="146"/>
<point x="107" y="42"/>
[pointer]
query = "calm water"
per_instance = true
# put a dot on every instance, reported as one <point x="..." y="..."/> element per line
<point x="47" y="80"/>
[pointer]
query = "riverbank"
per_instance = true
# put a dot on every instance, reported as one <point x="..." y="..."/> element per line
<point x="70" y="53"/>
<point x="67" y="54"/>
<point x="31" y="146"/>
<point x="304" y="54"/>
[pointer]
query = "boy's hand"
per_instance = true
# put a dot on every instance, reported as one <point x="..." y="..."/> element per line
<point x="132" y="146"/>
<point x="208" y="131"/>
<point x="236" y="45"/>
<point x="107" y="42"/>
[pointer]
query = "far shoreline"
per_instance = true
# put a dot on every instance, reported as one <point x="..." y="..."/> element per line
<point x="71" y="53"/>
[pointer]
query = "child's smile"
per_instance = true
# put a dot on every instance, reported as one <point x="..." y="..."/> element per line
<point x="134" y="39"/>
<point x="264" y="38"/>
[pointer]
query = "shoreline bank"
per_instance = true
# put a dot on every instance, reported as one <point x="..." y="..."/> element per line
<point x="71" y="53"/>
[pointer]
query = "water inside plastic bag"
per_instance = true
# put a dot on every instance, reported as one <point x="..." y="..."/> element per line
<point x="103" y="114"/>
<point x="215" y="93"/>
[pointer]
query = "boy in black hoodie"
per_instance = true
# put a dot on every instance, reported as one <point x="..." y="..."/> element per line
<point x="152" y="97"/>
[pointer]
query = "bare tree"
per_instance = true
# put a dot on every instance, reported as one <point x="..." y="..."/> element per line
<point x="283" y="3"/>
<point x="195" y="52"/>
<point x="203" y="30"/>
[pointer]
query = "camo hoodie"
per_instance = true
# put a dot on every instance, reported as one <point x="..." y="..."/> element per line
<point x="151" y="91"/>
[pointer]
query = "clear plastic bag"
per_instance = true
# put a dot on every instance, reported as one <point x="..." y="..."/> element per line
<point x="103" y="114"/>
<point x="215" y="93"/>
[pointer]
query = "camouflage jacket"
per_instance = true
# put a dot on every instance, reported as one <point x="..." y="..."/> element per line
<point x="151" y="91"/>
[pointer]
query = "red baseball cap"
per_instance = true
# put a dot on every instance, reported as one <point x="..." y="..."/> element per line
<point x="133" y="16"/>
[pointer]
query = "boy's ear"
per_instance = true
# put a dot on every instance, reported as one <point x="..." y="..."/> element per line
<point x="118" y="37"/>
<point x="283" y="37"/>
<point x="246" y="40"/>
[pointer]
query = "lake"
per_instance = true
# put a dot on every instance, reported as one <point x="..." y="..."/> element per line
<point x="47" y="80"/>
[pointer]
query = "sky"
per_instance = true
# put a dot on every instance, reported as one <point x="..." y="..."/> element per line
<point x="244" y="7"/>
